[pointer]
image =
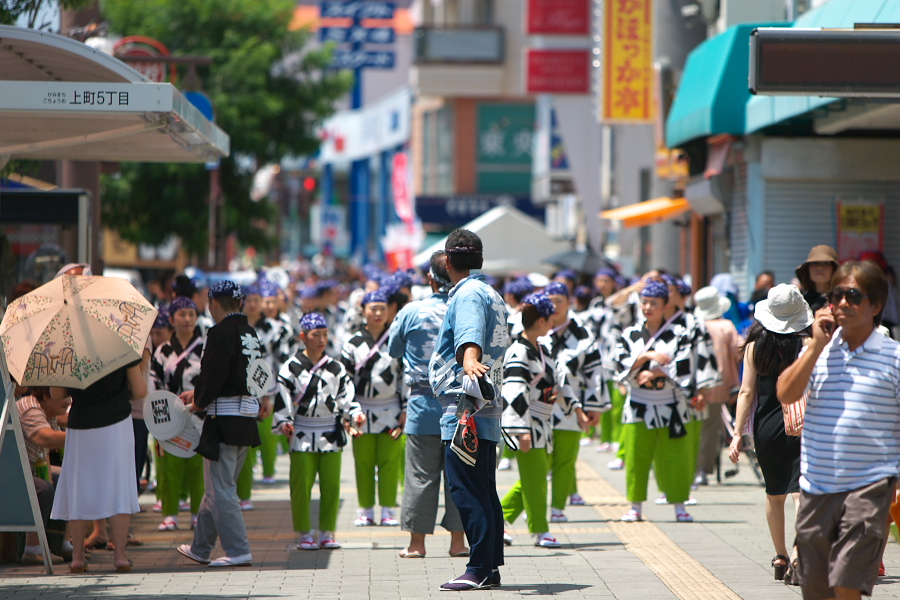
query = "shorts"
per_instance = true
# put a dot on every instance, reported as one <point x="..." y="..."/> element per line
<point x="840" y="538"/>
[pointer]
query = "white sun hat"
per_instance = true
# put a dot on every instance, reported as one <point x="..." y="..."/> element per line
<point x="784" y="310"/>
<point x="709" y="304"/>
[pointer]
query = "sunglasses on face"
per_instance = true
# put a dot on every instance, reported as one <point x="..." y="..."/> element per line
<point x="853" y="296"/>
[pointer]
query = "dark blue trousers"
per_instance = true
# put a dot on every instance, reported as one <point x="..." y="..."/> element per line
<point x="474" y="491"/>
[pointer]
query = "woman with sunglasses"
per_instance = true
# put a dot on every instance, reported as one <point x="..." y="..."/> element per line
<point x="773" y="343"/>
<point x="660" y="362"/>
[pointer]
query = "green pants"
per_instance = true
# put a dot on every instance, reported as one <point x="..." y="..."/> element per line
<point x="530" y="492"/>
<point x="611" y="420"/>
<point x="180" y="473"/>
<point x="379" y="450"/>
<point x="508" y="452"/>
<point x="401" y="459"/>
<point x="616" y="429"/>
<point x="268" y="448"/>
<point x="566" y="445"/>
<point x="645" y="446"/>
<point x="304" y="468"/>
<point x="245" y="477"/>
<point x="694" y="431"/>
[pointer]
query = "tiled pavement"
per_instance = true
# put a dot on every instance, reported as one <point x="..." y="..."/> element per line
<point x="725" y="554"/>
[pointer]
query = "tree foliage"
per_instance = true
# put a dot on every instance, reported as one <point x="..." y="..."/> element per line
<point x="33" y="11"/>
<point x="269" y="92"/>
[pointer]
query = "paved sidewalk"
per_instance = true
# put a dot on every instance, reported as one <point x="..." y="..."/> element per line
<point x="725" y="554"/>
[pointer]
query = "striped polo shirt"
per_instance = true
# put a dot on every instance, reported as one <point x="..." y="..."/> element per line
<point x="851" y="431"/>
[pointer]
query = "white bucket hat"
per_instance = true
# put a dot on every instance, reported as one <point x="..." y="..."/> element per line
<point x="709" y="304"/>
<point x="784" y="310"/>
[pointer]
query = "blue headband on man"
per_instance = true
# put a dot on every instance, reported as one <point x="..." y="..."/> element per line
<point x="268" y="289"/>
<point x="226" y="289"/>
<point x="162" y="318"/>
<point x="309" y="291"/>
<point x="181" y="303"/>
<point x="376" y="296"/>
<point x="541" y="302"/>
<point x="519" y="287"/>
<point x="400" y="279"/>
<point x="568" y="274"/>
<point x="252" y="290"/>
<point x="607" y="272"/>
<point x="655" y="289"/>
<point x="312" y="321"/>
<point x="557" y="288"/>
<point x="683" y="288"/>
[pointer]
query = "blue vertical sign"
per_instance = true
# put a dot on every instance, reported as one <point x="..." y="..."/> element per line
<point x="358" y="58"/>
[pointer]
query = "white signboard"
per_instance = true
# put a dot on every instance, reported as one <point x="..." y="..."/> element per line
<point x="355" y="134"/>
<point x="86" y="97"/>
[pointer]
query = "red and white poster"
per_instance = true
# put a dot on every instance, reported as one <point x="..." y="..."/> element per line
<point x="558" y="17"/>
<point x="860" y="228"/>
<point x="558" y="71"/>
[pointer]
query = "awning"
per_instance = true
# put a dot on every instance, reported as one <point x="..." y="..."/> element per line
<point x="513" y="242"/>
<point x="64" y="100"/>
<point x="765" y="111"/>
<point x="713" y="93"/>
<point x="646" y="213"/>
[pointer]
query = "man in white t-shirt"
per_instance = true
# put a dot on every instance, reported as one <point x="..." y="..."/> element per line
<point x="851" y="437"/>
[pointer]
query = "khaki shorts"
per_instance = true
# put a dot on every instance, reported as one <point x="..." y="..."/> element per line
<point x="840" y="538"/>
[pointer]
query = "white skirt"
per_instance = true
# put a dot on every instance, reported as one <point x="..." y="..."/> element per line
<point x="98" y="478"/>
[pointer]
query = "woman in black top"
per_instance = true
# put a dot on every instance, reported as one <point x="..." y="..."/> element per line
<point x="815" y="276"/>
<point x="98" y="472"/>
<point x="773" y="343"/>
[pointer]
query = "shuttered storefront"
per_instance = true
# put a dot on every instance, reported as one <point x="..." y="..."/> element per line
<point x="803" y="214"/>
<point x="734" y="183"/>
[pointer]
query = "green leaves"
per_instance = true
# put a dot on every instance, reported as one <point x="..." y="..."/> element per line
<point x="269" y="92"/>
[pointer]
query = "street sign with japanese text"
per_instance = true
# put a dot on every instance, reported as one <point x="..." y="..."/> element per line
<point x="558" y="71"/>
<point x="357" y="34"/>
<point x="356" y="9"/>
<point x="558" y="17"/>
<point x="627" y="87"/>
<point x="357" y="59"/>
<point x="87" y="96"/>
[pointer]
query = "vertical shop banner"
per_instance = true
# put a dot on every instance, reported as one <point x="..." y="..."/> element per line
<point x="504" y="148"/>
<point x="860" y="229"/>
<point x="627" y="61"/>
<point x="402" y="190"/>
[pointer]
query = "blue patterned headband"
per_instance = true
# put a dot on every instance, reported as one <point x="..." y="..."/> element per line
<point x="181" y="303"/>
<point x="655" y="289"/>
<point x="226" y="289"/>
<point x="568" y="274"/>
<point x="268" y="289"/>
<point x="162" y="318"/>
<point x="376" y="296"/>
<point x="312" y="321"/>
<point x="683" y="288"/>
<point x="606" y="273"/>
<point x="519" y="287"/>
<point x="309" y="291"/>
<point x="252" y="290"/>
<point x="557" y="288"/>
<point x="541" y="302"/>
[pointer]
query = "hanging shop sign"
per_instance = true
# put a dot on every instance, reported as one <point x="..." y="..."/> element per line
<point x="627" y="88"/>
<point x="558" y="71"/>
<point x="860" y="229"/>
<point x="558" y="17"/>
<point x="356" y="134"/>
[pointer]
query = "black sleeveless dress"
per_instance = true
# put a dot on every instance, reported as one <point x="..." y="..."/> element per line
<point x="778" y="452"/>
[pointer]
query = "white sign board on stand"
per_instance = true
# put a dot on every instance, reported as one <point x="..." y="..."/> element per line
<point x="19" y="510"/>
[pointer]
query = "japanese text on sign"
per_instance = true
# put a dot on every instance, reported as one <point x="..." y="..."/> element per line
<point x="628" y="61"/>
<point x="860" y="229"/>
<point x="358" y="9"/>
<point x="86" y="98"/>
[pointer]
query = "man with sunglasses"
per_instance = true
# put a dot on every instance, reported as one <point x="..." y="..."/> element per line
<point x="850" y="453"/>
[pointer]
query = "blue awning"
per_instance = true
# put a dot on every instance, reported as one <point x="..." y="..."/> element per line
<point x="713" y="91"/>
<point x="764" y="111"/>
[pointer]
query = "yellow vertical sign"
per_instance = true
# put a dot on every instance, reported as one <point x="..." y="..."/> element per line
<point x="627" y="60"/>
